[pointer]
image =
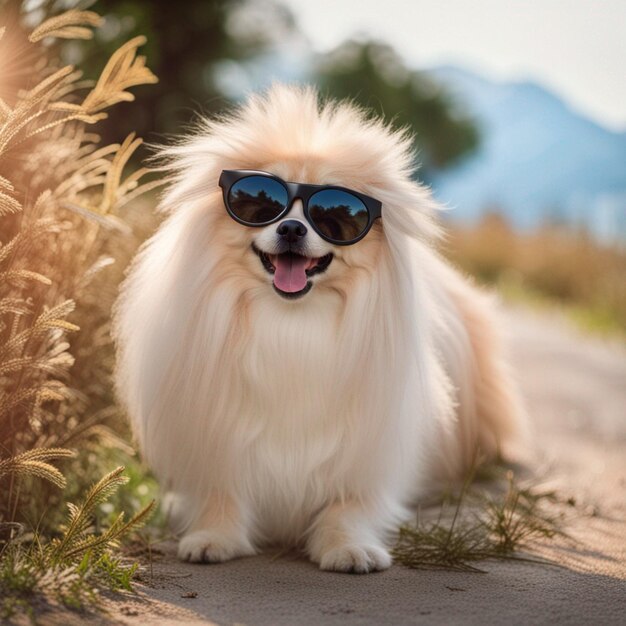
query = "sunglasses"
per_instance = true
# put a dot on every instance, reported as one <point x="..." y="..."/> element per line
<point x="338" y="215"/>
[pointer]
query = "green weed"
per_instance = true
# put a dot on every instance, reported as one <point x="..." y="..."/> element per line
<point x="71" y="569"/>
<point x="482" y="527"/>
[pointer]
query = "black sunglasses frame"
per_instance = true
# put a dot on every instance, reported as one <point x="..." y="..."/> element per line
<point x="297" y="191"/>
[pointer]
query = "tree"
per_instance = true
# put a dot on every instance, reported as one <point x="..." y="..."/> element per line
<point x="192" y="46"/>
<point x="374" y="76"/>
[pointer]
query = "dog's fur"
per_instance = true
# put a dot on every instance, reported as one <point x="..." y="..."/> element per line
<point x="314" y="421"/>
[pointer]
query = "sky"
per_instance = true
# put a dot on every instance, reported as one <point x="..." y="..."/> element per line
<point x="575" y="48"/>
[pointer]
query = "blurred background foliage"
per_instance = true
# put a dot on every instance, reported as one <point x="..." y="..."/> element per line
<point x="200" y="52"/>
<point x="372" y="74"/>
<point x="186" y="47"/>
<point x="546" y="267"/>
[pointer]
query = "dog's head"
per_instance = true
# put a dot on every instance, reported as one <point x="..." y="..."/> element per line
<point x="289" y="134"/>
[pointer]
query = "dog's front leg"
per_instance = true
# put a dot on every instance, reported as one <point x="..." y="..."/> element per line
<point x="346" y="537"/>
<point x="219" y="534"/>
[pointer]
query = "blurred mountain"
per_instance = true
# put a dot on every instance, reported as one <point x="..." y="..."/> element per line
<point x="539" y="161"/>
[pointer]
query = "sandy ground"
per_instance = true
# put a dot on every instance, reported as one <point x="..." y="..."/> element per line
<point x="576" y="394"/>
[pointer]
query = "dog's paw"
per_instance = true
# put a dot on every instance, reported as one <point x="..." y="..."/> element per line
<point x="355" y="559"/>
<point x="208" y="546"/>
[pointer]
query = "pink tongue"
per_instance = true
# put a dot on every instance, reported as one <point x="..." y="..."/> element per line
<point x="290" y="275"/>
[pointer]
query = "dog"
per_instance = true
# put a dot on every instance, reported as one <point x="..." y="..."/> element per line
<point x="299" y="363"/>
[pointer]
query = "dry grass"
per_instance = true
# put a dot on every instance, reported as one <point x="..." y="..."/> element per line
<point x="549" y="265"/>
<point x="71" y="568"/>
<point x="63" y="246"/>
<point x="483" y="524"/>
<point x="61" y="196"/>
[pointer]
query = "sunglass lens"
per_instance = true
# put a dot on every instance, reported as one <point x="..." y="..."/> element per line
<point x="338" y="215"/>
<point x="257" y="199"/>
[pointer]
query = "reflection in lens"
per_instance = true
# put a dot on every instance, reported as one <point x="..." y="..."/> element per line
<point x="338" y="214"/>
<point x="257" y="199"/>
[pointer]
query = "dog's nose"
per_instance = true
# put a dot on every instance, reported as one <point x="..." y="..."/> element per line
<point x="291" y="230"/>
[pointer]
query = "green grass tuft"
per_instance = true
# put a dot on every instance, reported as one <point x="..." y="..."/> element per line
<point x="72" y="569"/>
<point x="482" y="527"/>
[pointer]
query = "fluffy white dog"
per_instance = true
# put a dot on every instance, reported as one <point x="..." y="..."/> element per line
<point x="287" y="389"/>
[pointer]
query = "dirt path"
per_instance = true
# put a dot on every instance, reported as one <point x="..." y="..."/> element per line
<point x="576" y="394"/>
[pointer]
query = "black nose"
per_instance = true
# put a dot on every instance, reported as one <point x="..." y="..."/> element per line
<point x="291" y="230"/>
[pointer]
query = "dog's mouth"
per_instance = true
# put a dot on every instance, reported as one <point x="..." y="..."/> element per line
<point x="291" y="271"/>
